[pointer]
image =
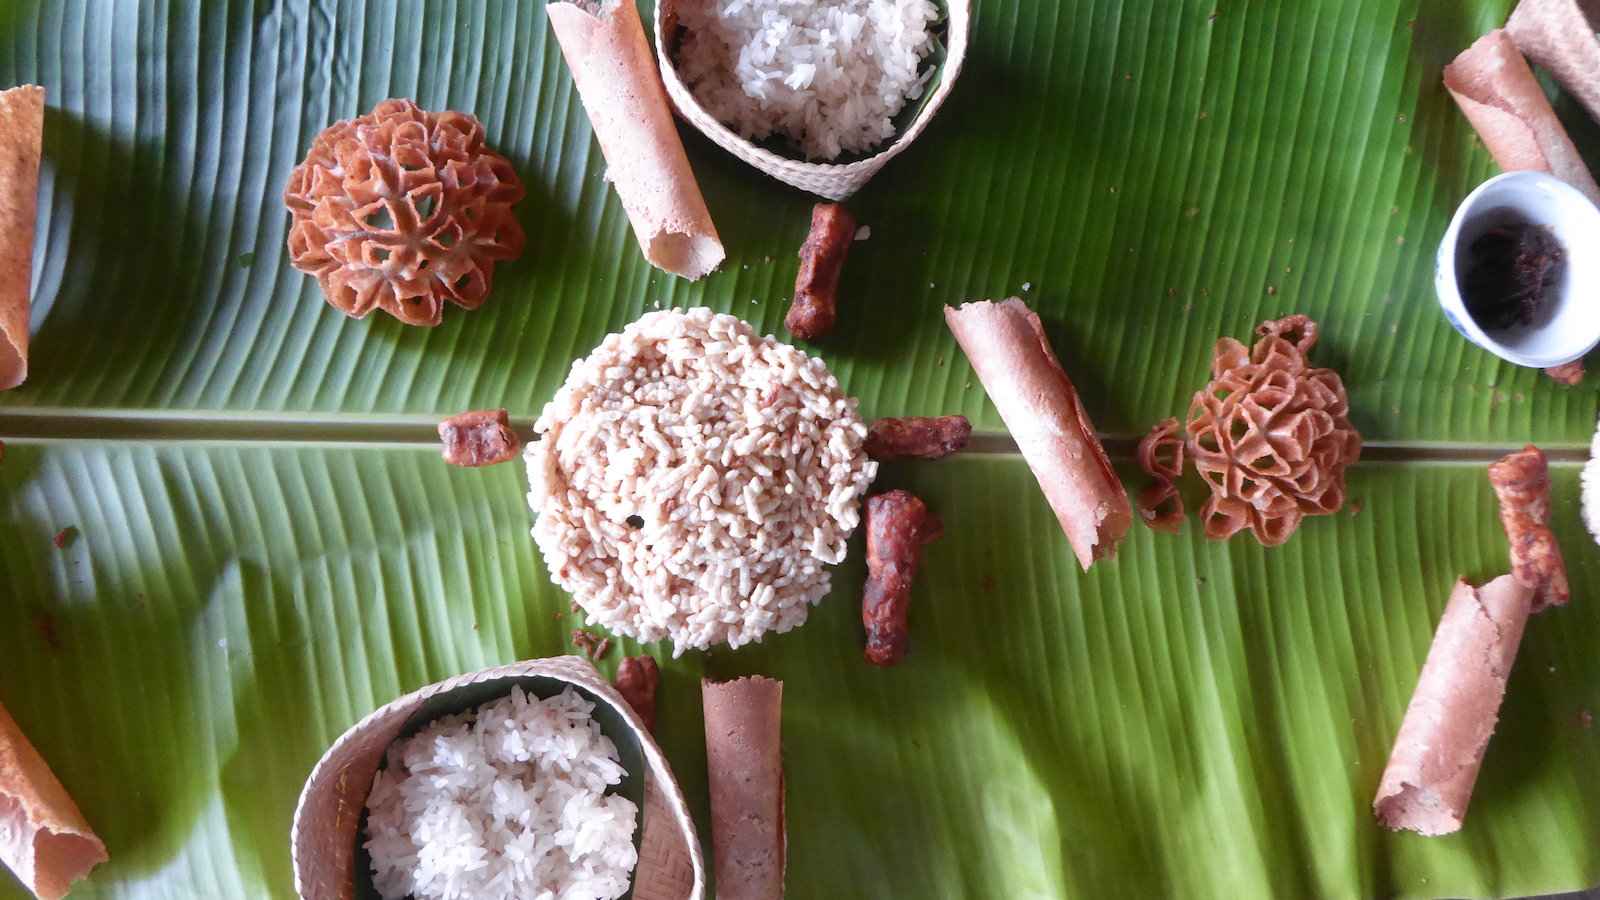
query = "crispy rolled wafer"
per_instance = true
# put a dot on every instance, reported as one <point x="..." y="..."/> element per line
<point x="1431" y="772"/>
<point x="43" y="837"/>
<point x="1493" y="85"/>
<point x="604" y="44"/>
<point x="21" y="143"/>
<point x="744" y="760"/>
<point x="1007" y="347"/>
<point x="1560" y="35"/>
<point x="1522" y="483"/>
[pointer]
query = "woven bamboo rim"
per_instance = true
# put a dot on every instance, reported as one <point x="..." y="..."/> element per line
<point x="835" y="182"/>
<point x="323" y="838"/>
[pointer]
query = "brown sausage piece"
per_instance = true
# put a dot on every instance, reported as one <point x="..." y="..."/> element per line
<point x="918" y="437"/>
<point x="1569" y="374"/>
<point x="822" y="256"/>
<point x="1521" y="481"/>
<point x="637" y="680"/>
<point x="478" y="438"/>
<point x="898" y="525"/>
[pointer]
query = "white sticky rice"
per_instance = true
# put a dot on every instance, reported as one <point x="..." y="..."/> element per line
<point x="830" y="74"/>
<point x="1590" y="480"/>
<point x="506" y="802"/>
<point x="694" y="481"/>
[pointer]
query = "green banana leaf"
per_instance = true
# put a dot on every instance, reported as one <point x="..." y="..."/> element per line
<point x="1194" y="719"/>
<point x="266" y="547"/>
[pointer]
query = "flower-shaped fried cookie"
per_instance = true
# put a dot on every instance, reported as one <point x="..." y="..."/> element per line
<point x="1270" y="434"/>
<point x="401" y="210"/>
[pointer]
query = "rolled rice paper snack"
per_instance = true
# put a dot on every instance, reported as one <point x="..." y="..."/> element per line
<point x="21" y="143"/>
<point x="328" y="816"/>
<point x="43" y="837"/>
<point x="1431" y="772"/>
<point x="1560" y="35"/>
<point x="1493" y="85"/>
<point x="604" y="44"/>
<point x="1007" y="346"/>
<point x="744" y="761"/>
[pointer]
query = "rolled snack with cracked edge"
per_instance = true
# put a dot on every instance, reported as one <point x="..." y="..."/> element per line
<point x="1493" y="85"/>
<point x="21" y="145"/>
<point x="1521" y="482"/>
<point x="604" y="45"/>
<point x="745" y="764"/>
<point x="1007" y="347"/>
<point x="815" y="308"/>
<point x="918" y="437"/>
<point x="1428" y="782"/>
<point x="43" y="837"/>
<point x="1560" y="36"/>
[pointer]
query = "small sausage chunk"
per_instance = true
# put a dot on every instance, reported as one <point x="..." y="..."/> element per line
<point x="898" y="525"/>
<point x="822" y="256"/>
<point x="918" y="437"/>
<point x="1521" y="482"/>
<point x="637" y="680"/>
<point x="480" y="438"/>
<point x="1569" y="374"/>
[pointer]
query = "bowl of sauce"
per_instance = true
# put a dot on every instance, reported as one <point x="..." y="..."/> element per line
<point x="1518" y="271"/>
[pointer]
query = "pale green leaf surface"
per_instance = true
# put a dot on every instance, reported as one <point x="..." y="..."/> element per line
<point x="1159" y="173"/>
<point x="1194" y="719"/>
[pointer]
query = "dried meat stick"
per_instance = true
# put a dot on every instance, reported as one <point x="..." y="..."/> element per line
<point x="1521" y="481"/>
<point x="1569" y="374"/>
<point x="918" y="437"/>
<point x="637" y="680"/>
<point x="478" y="438"/>
<point x="899" y="524"/>
<point x="816" y="288"/>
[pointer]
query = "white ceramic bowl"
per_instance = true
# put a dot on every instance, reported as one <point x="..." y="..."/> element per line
<point x="1570" y="326"/>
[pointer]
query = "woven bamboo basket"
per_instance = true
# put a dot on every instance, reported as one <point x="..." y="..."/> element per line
<point x="834" y="182"/>
<point x="324" y="836"/>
